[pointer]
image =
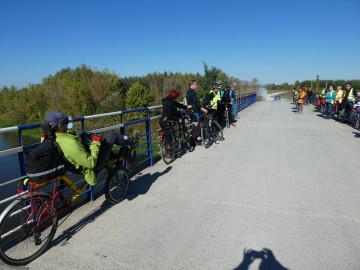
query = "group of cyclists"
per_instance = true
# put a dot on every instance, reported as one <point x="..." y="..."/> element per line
<point x="215" y="103"/>
<point x="90" y="159"/>
<point x="343" y="104"/>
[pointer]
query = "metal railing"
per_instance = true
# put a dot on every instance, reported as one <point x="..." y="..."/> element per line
<point x="151" y="143"/>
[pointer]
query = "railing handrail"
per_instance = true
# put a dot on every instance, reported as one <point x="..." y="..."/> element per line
<point x="241" y="103"/>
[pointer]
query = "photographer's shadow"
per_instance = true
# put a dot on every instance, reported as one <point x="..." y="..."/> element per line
<point x="142" y="183"/>
<point x="268" y="260"/>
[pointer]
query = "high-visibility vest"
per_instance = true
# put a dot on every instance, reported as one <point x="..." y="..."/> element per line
<point x="351" y="95"/>
<point x="330" y="96"/>
<point x="216" y="98"/>
<point x="323" y="93"/>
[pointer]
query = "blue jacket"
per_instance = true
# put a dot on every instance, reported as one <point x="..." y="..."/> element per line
<point x="330" y="96"/>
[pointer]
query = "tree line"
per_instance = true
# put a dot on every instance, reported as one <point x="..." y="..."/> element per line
<point x="87" y="91"/>
<point x="315" y="85"/>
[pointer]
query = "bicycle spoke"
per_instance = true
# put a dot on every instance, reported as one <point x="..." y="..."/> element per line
<point x="27" y="229"/>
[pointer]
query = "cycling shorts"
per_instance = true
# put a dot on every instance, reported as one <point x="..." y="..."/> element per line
<point x="195" y="117"/>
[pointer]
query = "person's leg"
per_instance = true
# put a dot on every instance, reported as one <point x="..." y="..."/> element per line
<point x="220" y="112"/>
<point x="121" y="140"/>
<point x="105" y="149"/>
<point x="195" y="128"/>
<point x="234" y="109"/>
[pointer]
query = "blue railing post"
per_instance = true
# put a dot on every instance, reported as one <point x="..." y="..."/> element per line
<point x="21" y="155"/>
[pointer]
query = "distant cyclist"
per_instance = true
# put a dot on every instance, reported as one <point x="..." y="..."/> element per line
<point x="226" y="95"/>
<point x="214" y="100"/>
<point x="348" y="101"/>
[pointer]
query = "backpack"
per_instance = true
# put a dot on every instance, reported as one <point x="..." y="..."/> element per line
<point x="44" y="162"/>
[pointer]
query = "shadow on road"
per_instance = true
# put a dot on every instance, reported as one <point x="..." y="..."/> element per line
<point x="268" y="260"/>
<point x="142" y="183"/>
<point x="67" y="234"/>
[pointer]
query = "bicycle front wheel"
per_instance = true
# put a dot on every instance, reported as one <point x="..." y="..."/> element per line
<point x="26" y="228"/>
<point x="167" y="148"/>
<point x="205" y="136"/>
<point x="117" y="185"/>
<point x="187" y="140"/>
<point x="227" y="119"/>
<point x="217" y="131"/>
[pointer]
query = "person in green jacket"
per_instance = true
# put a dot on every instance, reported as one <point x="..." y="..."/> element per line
<point x="87" y="161"/>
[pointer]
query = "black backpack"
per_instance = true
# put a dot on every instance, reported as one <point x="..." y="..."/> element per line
<point x="47" y="160"/>
<point x="44" y="162"/>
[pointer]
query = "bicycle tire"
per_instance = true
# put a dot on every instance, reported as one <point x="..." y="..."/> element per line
<point x="24" y="236"/>
<point x="167" y="149"/>
<point x="117" y="185"/>
<point x="187" y="140"/>
<point x="217" y="131"/>
<point x="205" y="135"/>
<point x="227" y="119"/>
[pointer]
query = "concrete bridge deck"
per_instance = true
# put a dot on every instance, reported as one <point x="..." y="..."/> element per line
<point x="281" y="181"/>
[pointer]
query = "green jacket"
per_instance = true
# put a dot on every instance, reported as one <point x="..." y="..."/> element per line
<point x="76" y="153"/>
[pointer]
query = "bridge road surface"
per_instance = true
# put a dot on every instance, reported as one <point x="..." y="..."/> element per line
<point x="282" y="181"/>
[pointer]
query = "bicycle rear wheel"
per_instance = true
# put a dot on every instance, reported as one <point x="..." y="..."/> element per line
<point x="26" y="228"/>
<point x="167" y="148"/>
<point x="117" y="185"/>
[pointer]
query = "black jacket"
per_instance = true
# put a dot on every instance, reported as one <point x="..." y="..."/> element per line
<point x="192" y="99"/>
<point x="170" y="109"/>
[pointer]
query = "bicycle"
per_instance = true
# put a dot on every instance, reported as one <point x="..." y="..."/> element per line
<point x="170" y="143"/>
<point x="210" y="129"/>
<point x="29" y="223"/>
<point x="320" y="104"/>
<point x="355" y="116"/>
<point x="226" y="113"/>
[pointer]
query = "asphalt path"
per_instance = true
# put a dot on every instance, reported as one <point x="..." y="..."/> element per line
<point x="283" y="185"/>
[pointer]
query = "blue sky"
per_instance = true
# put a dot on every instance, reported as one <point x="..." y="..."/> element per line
<point x="274" y="41"/>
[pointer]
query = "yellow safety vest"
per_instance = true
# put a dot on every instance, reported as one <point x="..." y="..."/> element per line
<point x="323" y="93"/>
<point x="351" y="95"/>
<point x="216" y="98"/>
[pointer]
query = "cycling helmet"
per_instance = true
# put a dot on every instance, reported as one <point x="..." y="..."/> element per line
<point x="56" y="117"/>
<point x="218" y="83"/>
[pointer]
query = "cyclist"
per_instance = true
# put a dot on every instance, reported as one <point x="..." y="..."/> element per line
<point x="192" y="99"/>
<point x="87" y="161"/>
<point x="170" y="108"/>
<point x="330" y="96"/>
<point x="348" y="101"/>
<point x="233" y="100"/>
<point x="214" y="100"/>
<point x="300" y="100"/>
<point x="226" y="95"/>
<point x="338" y="100"/>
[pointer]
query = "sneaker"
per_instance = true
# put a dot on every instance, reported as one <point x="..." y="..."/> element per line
<point x="233" y="124"/>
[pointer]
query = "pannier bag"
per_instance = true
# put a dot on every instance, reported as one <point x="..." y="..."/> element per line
<point x="44" y="162"/>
